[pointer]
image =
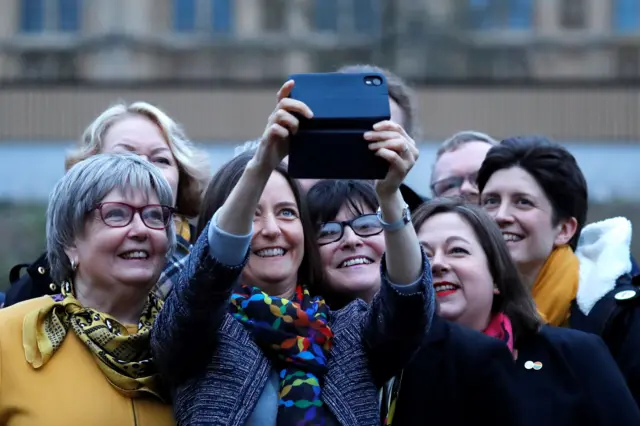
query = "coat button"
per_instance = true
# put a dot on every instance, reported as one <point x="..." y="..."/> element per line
<point x="41" y="270"/>
<point x="53" y="287"/>
<point x="625" y="295"/>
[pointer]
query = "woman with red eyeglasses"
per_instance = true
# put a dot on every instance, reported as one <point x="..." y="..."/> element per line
<point x="83" y="357"/>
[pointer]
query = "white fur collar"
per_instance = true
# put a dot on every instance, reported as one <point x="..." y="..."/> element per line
<point x="604" y="254"/>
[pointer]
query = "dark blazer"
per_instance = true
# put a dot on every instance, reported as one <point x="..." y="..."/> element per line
<point x="635" y="269"/>
<point x="217" y="372"/>
<point x="459" y="377"/>
<point x="616" y="319"/>
<point x="36" y="282"/>
<point x="579" y="383"/>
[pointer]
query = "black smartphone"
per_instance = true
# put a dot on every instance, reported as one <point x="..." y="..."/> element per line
<point x="331" y="145"/>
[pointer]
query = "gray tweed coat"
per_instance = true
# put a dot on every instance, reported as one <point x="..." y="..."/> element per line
<point x="216" y="372"/>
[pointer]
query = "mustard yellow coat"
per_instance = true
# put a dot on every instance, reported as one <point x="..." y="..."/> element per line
<point x="68" y="390"/>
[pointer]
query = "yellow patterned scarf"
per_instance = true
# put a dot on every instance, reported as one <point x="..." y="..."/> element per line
<point x="123" y="357"/>
<point x="557" y="286"/>
<point x="182" y="227"/>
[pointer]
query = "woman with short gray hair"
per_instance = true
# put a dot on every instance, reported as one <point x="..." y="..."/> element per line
<point x="109" y="233"/>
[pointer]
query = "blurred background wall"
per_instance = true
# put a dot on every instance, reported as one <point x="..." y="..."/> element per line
<point x="569" y="69"/>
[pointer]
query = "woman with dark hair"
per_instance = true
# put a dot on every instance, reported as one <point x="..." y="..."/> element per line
<point x="471" y="370"/>
<point x="245" y="338"/>
<point x="580" y="276"/>
<point x="309" y="272"/>
<point x="562" y="377"/>
<point x="349" y="237"/>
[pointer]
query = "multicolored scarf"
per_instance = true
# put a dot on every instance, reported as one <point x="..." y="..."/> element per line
<point x="295" y="336"/>
<point x="499" y="327"/>
<point x="123" y="357"/>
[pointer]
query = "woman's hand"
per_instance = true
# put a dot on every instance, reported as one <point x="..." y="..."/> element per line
<point x="403" y="255"/>
<point x="236" y="214"/>
<point x="391" y="142"/>
<point x="274" y="144"/>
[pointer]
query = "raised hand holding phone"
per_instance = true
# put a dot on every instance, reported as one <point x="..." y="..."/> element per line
<point x="345" y="106"/>
<point x="236" y="215"/>
<point x="392" y="143"/>
<point x="282" y="124"/>
<point x="388" y="140"/>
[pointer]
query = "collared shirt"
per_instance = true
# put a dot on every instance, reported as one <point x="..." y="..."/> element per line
<point x="176" y="262"/>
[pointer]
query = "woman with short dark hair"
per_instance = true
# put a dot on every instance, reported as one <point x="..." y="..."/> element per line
<point x="579" y="275"/>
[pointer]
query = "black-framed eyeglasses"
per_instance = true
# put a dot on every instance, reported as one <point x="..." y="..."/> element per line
<point x="119" y="215"/>
<point x="445" y="186"/>
<point x="364" y="226"/>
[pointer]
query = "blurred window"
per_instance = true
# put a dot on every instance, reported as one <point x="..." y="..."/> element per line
<point x="50" y="16"/>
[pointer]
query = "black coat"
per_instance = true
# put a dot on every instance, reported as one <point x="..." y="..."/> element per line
<point x="578" y="383"/>
<point x="462" y="377"/>
<point x="616" y="319"/>
<point x="459" y="377"/>
<point x="34" y="282"/>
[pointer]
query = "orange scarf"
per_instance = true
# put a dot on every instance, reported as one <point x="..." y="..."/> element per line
<point x="557" y="286"/>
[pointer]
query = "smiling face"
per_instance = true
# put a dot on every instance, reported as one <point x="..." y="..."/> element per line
<point x="139" y="135"/>
<point x="133" y="255"/>
<point x="524" y="214"/>
<point x="461" y="276"/>
<point x="277" y="246"/>
<point x="352" y="264"/>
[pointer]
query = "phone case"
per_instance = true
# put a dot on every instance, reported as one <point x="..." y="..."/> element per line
<point x="331" y="145"/>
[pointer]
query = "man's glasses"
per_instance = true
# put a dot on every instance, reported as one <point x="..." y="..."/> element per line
<point x="448" y="186"/>
<point x="119" y="215"/>
<point x="363" y="226"/>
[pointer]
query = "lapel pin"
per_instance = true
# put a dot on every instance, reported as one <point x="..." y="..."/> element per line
<point x="533" y="365"/>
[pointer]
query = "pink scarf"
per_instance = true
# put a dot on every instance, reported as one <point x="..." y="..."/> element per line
<point x="500" y="328"/>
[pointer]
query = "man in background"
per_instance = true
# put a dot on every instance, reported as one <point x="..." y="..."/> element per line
<point x="457" y="163"/>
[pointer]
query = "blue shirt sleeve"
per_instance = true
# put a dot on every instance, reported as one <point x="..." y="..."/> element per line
<point x="228" y="249"/>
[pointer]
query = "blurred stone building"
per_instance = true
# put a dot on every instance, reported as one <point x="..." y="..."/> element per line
<point x="258" y="39"/>
<point x="156" y="43"/>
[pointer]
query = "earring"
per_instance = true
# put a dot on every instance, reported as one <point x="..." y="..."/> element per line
<point x="74" y="265"/>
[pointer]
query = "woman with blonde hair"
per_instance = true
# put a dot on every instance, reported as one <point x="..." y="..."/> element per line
<point x="145" y="130"/>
